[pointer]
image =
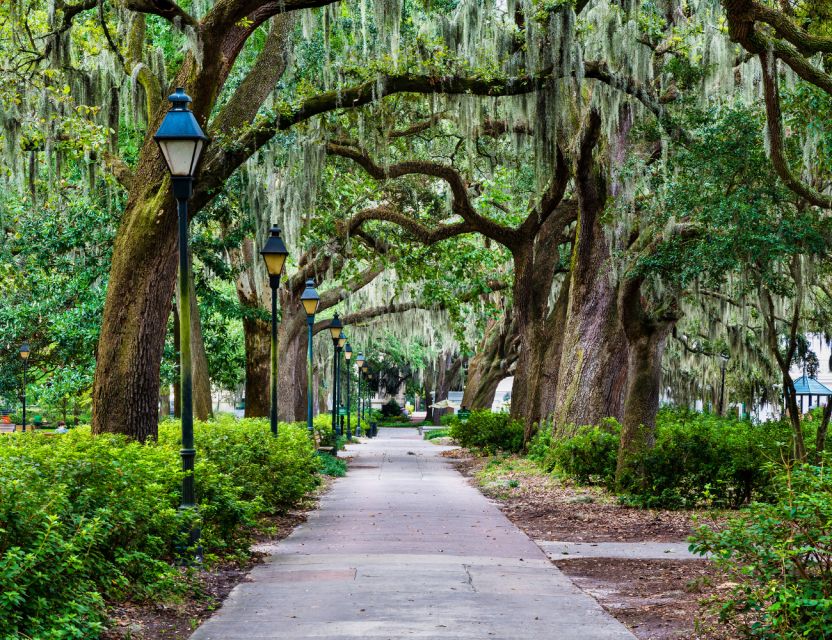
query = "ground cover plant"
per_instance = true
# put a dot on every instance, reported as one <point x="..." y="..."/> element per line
<point x="86" y="520"/>
<point x="698" y="459"/>
<point x="779" y="555"/>
<point x="488" y="431"/>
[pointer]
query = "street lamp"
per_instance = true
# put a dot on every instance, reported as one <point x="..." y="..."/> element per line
<point x="310" y="301"/>
<point x="347" y="356"/>
<point x="360" y="362"/>
<point x="342" y="341"/>
<point x="366" y="369"/>
<point x="724" y="357"/>
<point x="274" y="255"/>
<point x="24" y="354"/>
<point x="181" y="141"/>
<point x="335" y="327"/>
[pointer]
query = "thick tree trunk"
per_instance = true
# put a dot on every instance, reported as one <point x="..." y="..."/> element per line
<point x="177" y="388"/>
<point x="139" y="294"/>
<point x="550" y="367"/>
<point x="593" y="365"/>
<point x="638" y="428"/>
<point x="448" y="370"/>
<point x="164" y="402"/>
<point x="292" y="356"/>
<point x="429" y="398"/>
<point x="495" y="356"/>
<point x="540" y="330"/>
<point x="201" y="381"/>
<point x="144" y="263"/>
<point x="257" y="336"/>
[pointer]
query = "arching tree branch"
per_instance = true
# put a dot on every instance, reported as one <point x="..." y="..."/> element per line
<point x="461" y="201"/>
<point x="775" y="133"/>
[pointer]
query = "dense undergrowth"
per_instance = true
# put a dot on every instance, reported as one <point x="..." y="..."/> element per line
<point x="85" y="520"/>
<point x="778" y="543"/>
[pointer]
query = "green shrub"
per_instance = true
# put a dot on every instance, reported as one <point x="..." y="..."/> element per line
<point x="322" y="425"/>
<point x="780" y="555"/>
<point x="437" y="433"/>
<point x="590" y="456"/>
<point x="697" y="459"/>
<point x="330" y="465"/>
<point x="447" y="419"/>
<point x="707" y="459"/>
<point x="87" y="519"/>
<point x="489" y="432"/>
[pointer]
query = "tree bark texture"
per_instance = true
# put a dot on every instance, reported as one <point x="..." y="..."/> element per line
<point x="143" y="270"/>
<point x="593" y="367"/>
<point x="644" y="372"/>
<point x="492" y="362"/>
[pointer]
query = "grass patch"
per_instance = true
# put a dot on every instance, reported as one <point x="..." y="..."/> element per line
<point x="331" y="466"/>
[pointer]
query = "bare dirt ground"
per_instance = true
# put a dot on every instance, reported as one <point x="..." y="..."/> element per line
<point x="177" y="620"/>
<point x="656" y="599"/>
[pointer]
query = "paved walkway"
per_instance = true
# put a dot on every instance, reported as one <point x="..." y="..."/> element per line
<point x="403" y="547"/>
<point x="623" y="550"/>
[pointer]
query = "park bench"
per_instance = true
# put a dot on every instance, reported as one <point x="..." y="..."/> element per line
<point x="7" y="428"/>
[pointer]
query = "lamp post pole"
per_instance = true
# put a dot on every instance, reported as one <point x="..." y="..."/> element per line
<point x="358" y="399"/>
<point x="274" y="255"/>
<point x="24" y="354"/>
<point x="310" y="320"/>
<point x="181" y="141"/>
<point x="274" y="282"/>
<point x="310" y="301"/>
<point x="360" y="362"/>
<point x="182" y="189"/>
<point x="347" y="358"/>
<point x="25" y="367"/>
<point x="335" y="333"/>
<point x="335" y="385"/>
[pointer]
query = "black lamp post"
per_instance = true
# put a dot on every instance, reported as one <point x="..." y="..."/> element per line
<point x="24" y="354"/>
<point x="181" y="141"/>
<point x="366" y="369"/>
<point x="347" y="357"/>
<point x="335" y="327"/>
<point x="310" y="301"/>
<point x="342" y="341"/>
<point x="274" y="255"/>
<point x="724" y="358"/>
<point x="360" y="362"/>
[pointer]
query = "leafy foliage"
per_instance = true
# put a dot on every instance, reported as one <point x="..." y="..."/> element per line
<point x="780" y="556"/>
<point x="88" y="519"/>
<point x="488" y="431"/>
<point x="698" y="459"/>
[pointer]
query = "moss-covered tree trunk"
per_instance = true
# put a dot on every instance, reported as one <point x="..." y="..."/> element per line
<point x="144" y="263"/>
<point x="496" y="354"/>
<point x="292" y="357"/>
<point x="644" y="372"/>
<point x="593" y="366"/>
<point x="257" y="338"/>
<point x="201" y="380"/>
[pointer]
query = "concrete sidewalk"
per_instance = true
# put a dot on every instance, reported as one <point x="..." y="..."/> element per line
<point x="403" y="547"/>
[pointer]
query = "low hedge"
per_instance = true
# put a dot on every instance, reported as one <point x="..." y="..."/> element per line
<point x="698" y="459"/>
<point x="488" y="432"/>
<point x="779" y="556"/>
<point x="88" y="519"/>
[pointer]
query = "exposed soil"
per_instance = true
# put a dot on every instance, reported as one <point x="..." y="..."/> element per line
<point x="177" y="621"/>
<point x="656" y="599"/>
